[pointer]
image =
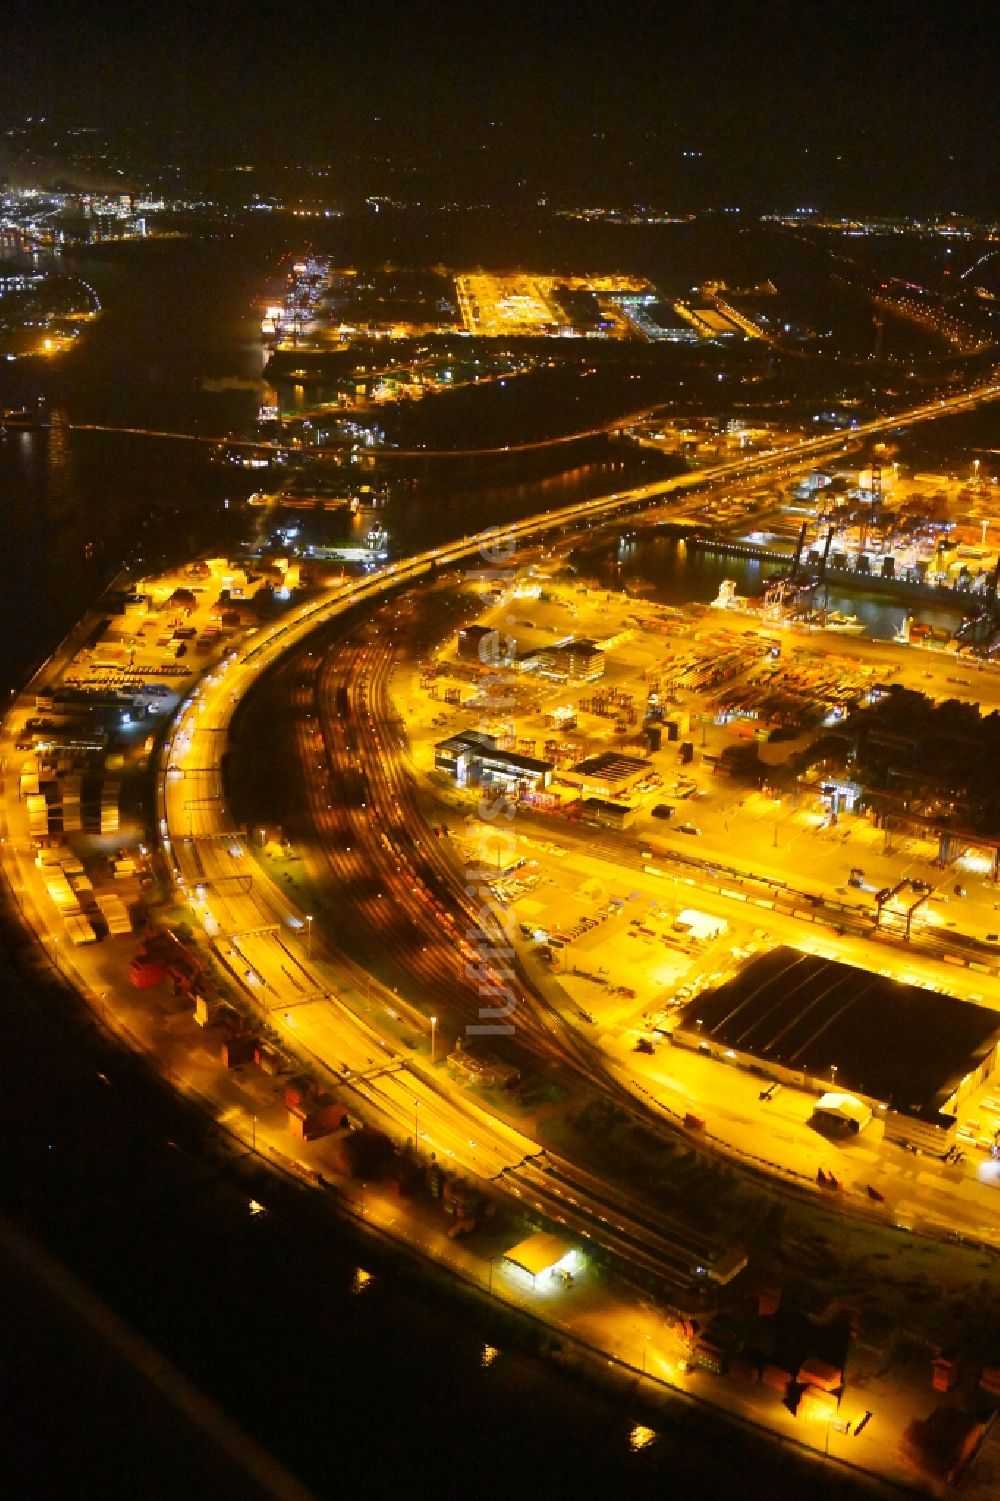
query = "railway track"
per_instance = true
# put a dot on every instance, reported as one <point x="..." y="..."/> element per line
<point x="344" y="722"/>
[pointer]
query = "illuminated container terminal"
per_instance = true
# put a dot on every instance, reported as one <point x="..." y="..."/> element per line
<point x="912" y="1054"/>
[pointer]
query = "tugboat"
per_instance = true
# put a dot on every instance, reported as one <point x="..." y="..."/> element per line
<point x="377" y="541"/>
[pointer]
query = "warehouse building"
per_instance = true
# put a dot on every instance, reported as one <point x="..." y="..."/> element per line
<point x="911" y="1054"/>
<point x="543" y="1257"/>
<point x="484" y="645"/>
<point x="474" y="760"/>
<point x="608" y="774"/>
<point x="607" y="813"/>
<point x="568" y="661"/>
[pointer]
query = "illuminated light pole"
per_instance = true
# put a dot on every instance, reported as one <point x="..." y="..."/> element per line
<point x="833" y="1072"/>
<point x="309" y="937"/>
<point x="263" y="837"/>
<point x="416" y="1125"/>
<point x="434" y="1022"/>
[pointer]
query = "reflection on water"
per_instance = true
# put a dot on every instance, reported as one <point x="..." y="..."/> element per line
<point x="182" y="313"/>
<point x="72" y="504"/>
<point x="428" y="512"/>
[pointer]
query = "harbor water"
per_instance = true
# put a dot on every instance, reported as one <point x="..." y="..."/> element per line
<point x="177" y="350"/>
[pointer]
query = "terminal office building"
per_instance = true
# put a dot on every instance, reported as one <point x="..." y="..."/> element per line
<point x="913" y="1055"/>
<point x="475" y="760"/>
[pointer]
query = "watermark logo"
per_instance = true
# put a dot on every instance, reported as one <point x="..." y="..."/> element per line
<point x="492" y="939"/>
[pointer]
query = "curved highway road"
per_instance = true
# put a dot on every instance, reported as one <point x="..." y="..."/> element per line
<point x="247" y="916"/>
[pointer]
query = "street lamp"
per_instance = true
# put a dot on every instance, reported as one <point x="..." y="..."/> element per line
<point x="833" y="1072"/>
<point x="416" y="1125"/>
<point x="263" y="837"/>
<point x="434" y="1022"/>
<point x="309" y="937"/>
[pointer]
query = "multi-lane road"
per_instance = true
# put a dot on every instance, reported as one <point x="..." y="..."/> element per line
<point x="399" y="888"/>
<point x="247" y="915"/>
<point x="331" y="1020"/>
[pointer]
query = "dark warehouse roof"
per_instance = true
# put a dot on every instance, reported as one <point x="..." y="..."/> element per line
<point x="907" y="1047"/>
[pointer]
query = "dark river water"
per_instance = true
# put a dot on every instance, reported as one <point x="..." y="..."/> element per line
<point x="182" y="315"/>
<point x="665" y="567"/>
<point x="73" y="505"/>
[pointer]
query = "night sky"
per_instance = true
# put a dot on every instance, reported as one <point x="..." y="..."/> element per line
<point x="862" y="104"/>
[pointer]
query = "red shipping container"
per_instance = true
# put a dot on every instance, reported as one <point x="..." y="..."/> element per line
<point x="768" y="1301"/>
<point x="777" y="1379"/>
<point x="816" y="1372"/>
<point x="311" y="1120"/>
<point x="946" y="1372"/>
<point x="297" y="1091"/>
<point x="145" y="971"/>
<point x="328" y="1112"/>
